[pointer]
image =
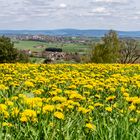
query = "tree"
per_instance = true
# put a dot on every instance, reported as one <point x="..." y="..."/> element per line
<point x="130" y="51"/>
<point x="107" y="51"/>
<point x="8" y="54"/>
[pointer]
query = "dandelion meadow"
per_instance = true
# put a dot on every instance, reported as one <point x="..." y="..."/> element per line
<point x="69" y="102"/>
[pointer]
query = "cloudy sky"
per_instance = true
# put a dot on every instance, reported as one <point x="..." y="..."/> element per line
<point x="81" y="14"/>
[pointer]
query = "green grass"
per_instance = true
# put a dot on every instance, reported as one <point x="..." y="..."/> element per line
<point x="36" y="60"/>
<point x="24" y="45"/>
<point x="67" y="47"/>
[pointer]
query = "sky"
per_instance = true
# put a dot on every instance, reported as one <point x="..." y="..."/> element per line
<point x="79" y="14"/>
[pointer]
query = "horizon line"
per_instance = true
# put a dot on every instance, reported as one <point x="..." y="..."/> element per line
<point x="82" y="29"/>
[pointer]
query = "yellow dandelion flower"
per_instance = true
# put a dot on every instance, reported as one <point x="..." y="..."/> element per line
<point x="90" y="126"/>
<point x="97" y="96"/>
<point x="133" y="120"/>
<point x="110" y="98"/>
<point x="83" y="110"/>
<point x="15" y="112"/>
<point x="48" y="108"/>
<point x="6" y="124"/>
<point x="29" y="84"/>
<point x="98" y="105"/>
<point x="59" y="115"/>
<point x="23" y="119"/>
<point x="109" y="109"/>
<point x="138" y="111"/>
<point x="9" y="103"/>
<point x="3" y="107"/>
<point x="132" y="107"/>
<point x="125" y="94"/>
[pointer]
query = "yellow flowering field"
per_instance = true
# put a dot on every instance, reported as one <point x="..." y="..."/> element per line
<point x="69" y="102"/>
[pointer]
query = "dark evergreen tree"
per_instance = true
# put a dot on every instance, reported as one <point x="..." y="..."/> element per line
<point x="8" y="54"/>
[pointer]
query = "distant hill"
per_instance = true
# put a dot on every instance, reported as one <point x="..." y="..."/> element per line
<point x="69" y="32"/>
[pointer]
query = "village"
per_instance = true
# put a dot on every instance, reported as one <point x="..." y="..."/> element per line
<point x="53" y="39"/>
<point x="52" y="55"/>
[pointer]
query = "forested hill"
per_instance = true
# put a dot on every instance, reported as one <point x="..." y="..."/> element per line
<point x="69" y="32"/>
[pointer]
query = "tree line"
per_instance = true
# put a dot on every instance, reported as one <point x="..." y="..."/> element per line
<point x="111" y="49"/>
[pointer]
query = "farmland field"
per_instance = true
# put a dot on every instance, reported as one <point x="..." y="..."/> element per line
<point x="69" y="102"/>
<point x="67" y="47"/>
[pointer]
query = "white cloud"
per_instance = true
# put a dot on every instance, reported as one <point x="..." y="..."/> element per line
<point x="69" y="13"/>
<point x="99" y="10"/>
<point x="111" y="1"/>
<point x="62" y="5"/>
<point x="136" y="17"/>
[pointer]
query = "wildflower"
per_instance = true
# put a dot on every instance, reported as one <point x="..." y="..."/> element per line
<point x="60" y="107"/>
<point x="3" y="87"/>
<point x="86" y="93"/>
<point x="138" y="111"/>
<point x="90" y="126"/>
<point x="83" y="110"/>
<point x="98" y="105"/>
<point x="33" y="102"/>
<point x="76" y="96"/>
<point x="29" y="84"/>
<point x="109" y="109"/>
<point x="15" y="112"/>
<point x="59" y="115"/>
<point x="53" y="93"/>
<point x="110" y="98"/>
<point x="3" y="107"/>
<point x="88" y="86"/>
<point x="9" y="103"/>
<point x="133" y="120"/>
<point x="91" y="107"/>
<point x="14" y="98"/>
<point x="28" y="114"/>
<point x="115" y="105"/>
<point x="112" y="89"/>
<point x="38" y="92"/>
<point x="24" y="119"/>
<point x="97" y="96"/>
<point x="136" y="101"/>
<point x="60" y="99"/>
<point x="22" y="96"/>
<point x="100" y="89"/>
<point x="70" y="106"/>
<point x="125" y="94"/>
<point x="7" y="124"/>
<point x="48" y="108"/>
<point x="123" y="89"/>
<point x="5" y="114"/>
<point x="132" y="107"/>
<point x="121" y="111"/>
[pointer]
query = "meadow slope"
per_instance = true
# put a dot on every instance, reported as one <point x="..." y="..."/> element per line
<point x="69" y="102"/>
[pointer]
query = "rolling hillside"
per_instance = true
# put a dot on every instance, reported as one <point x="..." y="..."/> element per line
<point x="70" y="32"/>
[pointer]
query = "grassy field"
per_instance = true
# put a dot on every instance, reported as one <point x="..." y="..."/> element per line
<point x="69" y="102"/>
<point x="67" y="47"/>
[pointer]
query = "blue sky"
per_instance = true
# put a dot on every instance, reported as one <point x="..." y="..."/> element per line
<point x="81" y="14"/>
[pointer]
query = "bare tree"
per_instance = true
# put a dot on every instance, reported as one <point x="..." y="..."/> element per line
<point x="130" y="51"/>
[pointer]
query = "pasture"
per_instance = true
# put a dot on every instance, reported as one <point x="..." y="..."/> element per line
<point x="67" y="47"/>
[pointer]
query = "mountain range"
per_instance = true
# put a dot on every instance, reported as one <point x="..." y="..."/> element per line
<point x="70" y="32"/>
